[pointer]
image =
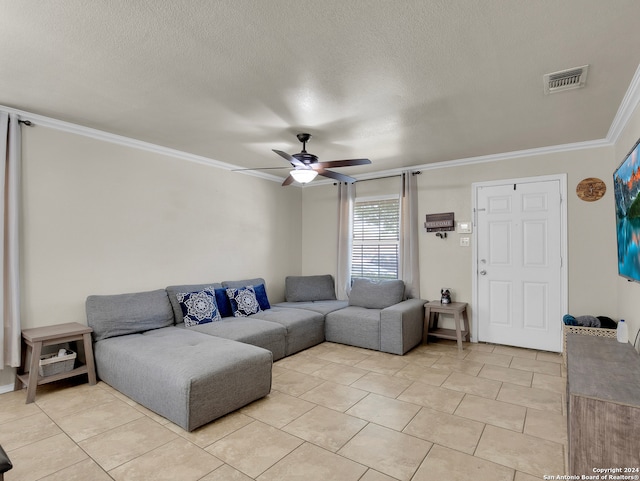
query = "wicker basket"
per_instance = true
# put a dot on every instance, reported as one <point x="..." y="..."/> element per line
<point x="51" y="364"/>
<point x="585" y="331"/>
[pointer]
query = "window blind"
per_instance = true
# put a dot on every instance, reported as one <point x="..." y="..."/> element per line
<point x="376" y="235"/>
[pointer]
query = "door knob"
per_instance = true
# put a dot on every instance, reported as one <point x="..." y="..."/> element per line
<point x="483" y="272"/>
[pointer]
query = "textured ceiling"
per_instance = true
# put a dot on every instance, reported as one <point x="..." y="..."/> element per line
<point x="402" y="82"/>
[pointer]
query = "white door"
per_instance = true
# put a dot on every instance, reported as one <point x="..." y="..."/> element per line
<point x="519" y="264"/>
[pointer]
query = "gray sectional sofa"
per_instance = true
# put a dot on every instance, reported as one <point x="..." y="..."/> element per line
<point x="376" y="316"/>
<point x="194" y="373"/>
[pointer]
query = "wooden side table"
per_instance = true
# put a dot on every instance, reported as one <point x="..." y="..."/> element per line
<point x="457" y="309"/>
<point x="38" y="337"/>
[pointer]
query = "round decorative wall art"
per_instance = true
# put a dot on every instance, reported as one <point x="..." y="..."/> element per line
<point x="591" y="189"/>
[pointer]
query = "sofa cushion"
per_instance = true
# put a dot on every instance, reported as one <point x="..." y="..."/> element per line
<point x="243" y="301"/>
<point x="121" y="314"/>
<point x="199" y="307"/>
<point x="186" y="376"/>
<point x="309" y="288"/>
<point x="304" y="328"/>
<point x="249" y="330"/>
<point x="172" y="291"/>
<point x="355" y="326"/>
<point x="323" y="307"/>
<point x="376" y="294"/>
<point x="244" y="282"/>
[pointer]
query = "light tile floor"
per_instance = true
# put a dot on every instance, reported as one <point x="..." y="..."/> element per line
<point x="335" y="413"/>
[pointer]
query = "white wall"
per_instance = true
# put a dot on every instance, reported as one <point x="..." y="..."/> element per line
<point x="101" y="218"/>
<point x="443" y="263"/>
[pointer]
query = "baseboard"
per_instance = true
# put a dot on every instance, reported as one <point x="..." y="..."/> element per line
<point x="6" y="388"/>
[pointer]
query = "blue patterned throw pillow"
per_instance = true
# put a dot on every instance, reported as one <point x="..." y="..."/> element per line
<point x="198" y="307"/>
<point x="243" y="301"/>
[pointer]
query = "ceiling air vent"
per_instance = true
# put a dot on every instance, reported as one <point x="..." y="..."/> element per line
<point x="573" y="78"/>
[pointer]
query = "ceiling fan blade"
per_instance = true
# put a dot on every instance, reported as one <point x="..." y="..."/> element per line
<point x="295" y="162"/>
<point x="287" y="181"/>
<point x="342" y="163"/>
<point x="334" y="175"/>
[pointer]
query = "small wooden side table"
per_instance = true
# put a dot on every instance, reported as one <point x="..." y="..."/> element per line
<point x="457" y="309"/>
<point x="38" y="337"/>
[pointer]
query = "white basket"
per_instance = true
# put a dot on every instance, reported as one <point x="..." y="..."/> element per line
<point x="51" y="364"/>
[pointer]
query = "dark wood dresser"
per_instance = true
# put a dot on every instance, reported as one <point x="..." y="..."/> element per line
<point x="603" y="405"/>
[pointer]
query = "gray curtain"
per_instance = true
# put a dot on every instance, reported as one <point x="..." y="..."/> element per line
<point x="10" y="143"/>
<point x="346" y="199"/>
<point x="409" y="253"/>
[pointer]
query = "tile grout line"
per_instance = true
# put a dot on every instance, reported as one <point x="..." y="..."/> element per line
<point x="442" y="356"/>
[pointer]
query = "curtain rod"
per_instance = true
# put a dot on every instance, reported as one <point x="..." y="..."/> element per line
<point x="417" y="172"/>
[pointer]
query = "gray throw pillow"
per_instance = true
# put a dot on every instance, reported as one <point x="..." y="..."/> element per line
<point x="122" y="314"/>
<point x="376" y="294"/>
<point x="309" y="288"/>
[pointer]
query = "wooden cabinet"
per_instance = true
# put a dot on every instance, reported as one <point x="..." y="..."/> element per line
<point x="603" y="405"/>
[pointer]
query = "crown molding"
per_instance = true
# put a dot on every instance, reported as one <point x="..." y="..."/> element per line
<point x="41" y="120"/>
<point x="627" y="107"/>
<point x="517" y="154"/>
<point x="625" y="111"/>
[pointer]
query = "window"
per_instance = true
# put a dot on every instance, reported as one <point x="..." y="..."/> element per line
<point x="376" y="237"/>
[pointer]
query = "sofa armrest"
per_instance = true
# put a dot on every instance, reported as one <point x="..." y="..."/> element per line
<point x="401" y="326"/>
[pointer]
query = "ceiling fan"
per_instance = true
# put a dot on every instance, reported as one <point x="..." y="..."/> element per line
<point x="306" y="166"/>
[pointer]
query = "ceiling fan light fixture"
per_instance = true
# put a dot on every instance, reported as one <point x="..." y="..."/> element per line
<point x="303" y="176"/>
